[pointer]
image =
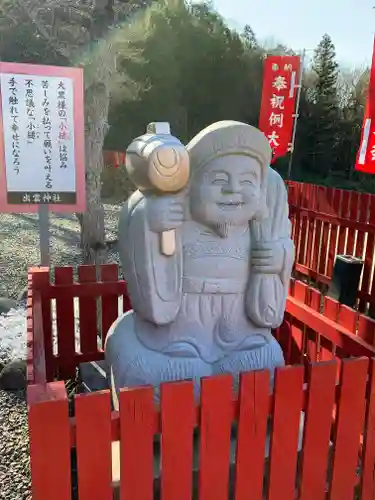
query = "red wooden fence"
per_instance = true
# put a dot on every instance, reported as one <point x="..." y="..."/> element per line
<point x="327" y="222"/>
<point x="338" y="451"/>
<point x="338" y="328"/>
<point x="94" y="428"/>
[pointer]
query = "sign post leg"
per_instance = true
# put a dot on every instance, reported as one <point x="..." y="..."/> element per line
<point x="44" y="235"/>
<point x="296" y="116"/>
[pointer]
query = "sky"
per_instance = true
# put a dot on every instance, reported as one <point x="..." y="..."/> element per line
<point x="301" y="24"/>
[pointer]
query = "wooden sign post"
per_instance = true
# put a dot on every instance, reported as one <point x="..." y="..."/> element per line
<point x="42" y="165"/>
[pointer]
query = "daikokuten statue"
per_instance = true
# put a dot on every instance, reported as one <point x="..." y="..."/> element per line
<point x="206" y="303"/>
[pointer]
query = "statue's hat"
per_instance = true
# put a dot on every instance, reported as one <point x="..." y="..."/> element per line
<point x="226" y="138"/>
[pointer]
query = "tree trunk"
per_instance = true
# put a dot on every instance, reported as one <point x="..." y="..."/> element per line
<point x="92" y="221"/>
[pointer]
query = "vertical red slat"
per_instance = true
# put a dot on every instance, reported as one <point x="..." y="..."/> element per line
<point x="330" y="310"/>
<point x="109" y="272"/>
<point x="41" y="281"/>
<point x="285" y="432"/>
<point x="311" y="226"/>
<point x="177" y="427"/>
<point x="313" y="337"/>
<point x="367" y="286"/>
<point x="368" y="457"/>
<point x="344" y="213"/>
<point x="65" y="323"/>
<point x="285" y="339"/>
<point x="88" y="328"/>
<point x="353" y="216"/>
<point x="292" y="204"/>
<point x="326" y="202"/>
<point x="251" y="434"/>
<point x="317" y="430"/>
<point x="297" y="217"/>
<point x="318" y="231"/>
<point x="364" y="201"/>
<point x="348" y="318"/>
<point x="49" y="431"/>
<point x="38" y="356"/>
<point x="349" y="426"/>
<point x="334" y="231"/>
<point x="137" y="441"/>
<point x="297" y="327"/>
<point x="215" y="433"/>
<point x="366" y="329"/>
<point x="94" y="445"/>
<point x="303" y="226"/>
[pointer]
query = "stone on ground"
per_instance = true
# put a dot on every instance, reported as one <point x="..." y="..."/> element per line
<point x="6" y="304"/>
<point x="13" y="376"/>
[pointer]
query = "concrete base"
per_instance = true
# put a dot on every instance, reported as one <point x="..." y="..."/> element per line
<point x="93" y="376"/>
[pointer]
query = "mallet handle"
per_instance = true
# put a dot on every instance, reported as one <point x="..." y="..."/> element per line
<point x="168" y="242"/>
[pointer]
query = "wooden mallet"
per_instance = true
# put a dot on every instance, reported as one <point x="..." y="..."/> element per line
<point x="158" y="162"/>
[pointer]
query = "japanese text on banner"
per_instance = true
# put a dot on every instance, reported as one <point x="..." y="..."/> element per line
<point x="365" y="161"/>
<point x="280" y="83"/>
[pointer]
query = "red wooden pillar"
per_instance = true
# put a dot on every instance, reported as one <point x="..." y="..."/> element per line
<point x="49" y="430"/>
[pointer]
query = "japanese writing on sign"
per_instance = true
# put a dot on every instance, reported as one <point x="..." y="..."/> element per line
<point x="366" y="154"/>
<point x="39" y="148"/>
<point x="365" y="161"/>
<point x="278" y="102"/>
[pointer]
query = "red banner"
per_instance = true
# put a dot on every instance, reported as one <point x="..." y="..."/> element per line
<point x="280" y="87"/>
<point x="366" y="154"/>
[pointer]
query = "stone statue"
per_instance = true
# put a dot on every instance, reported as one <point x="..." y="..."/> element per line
<point x="208" y="305"/>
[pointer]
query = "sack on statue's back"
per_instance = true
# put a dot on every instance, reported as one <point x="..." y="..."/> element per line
<point x="266" y="293"/>
<point x="265" y="300"/>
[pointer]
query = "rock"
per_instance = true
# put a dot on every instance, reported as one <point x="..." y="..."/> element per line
<point x="22" y="297"/>
<point x="6" y="304"/>
<point x="13" y="376"/>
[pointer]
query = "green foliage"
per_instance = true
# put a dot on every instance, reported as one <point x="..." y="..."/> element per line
<point x="322" y="133"/>
<point x="194" y="71"/>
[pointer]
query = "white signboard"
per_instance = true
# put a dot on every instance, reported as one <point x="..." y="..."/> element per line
<point x="39" y="137"/>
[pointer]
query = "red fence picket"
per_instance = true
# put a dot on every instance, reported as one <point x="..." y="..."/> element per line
<point x="49" y="432"/>
<point x="215" y="430"/>
<point x="317" y="430"/>
<point x="136" y="446"/>
<point x="349" y="425"/>
<point x="177" y="420"/>
<point x="87" y="313"/>
<point x="65" y="324"/>
<point x="251" y="435"/>
<point x="93" y="442"/>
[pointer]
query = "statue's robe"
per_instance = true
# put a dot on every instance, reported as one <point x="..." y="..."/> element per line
<point x="155" y="283"/>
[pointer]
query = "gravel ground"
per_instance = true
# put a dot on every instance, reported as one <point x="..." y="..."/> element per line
<point x="19" y="245"/>
<point x="18" y="250"/>
<point x="14" y="444"/>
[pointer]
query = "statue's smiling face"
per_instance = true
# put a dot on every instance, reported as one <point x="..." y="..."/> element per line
<point x="227" y="192"/>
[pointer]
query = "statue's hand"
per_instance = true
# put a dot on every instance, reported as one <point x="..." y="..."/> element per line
<point x="165" y="212"/>
<point x="267" y="257"/>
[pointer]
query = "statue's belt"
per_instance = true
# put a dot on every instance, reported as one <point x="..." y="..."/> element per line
<point x="212" y="285"/>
